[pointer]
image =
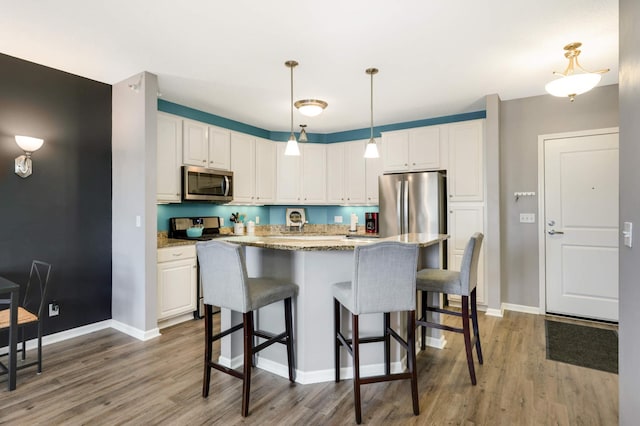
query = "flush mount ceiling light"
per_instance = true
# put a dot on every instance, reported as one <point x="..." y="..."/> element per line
<point x="303" y="134"/>
<point x="372" y="147"/>
<point x="292" y="144"/>
<point x="570" y="84"/>
<point x="311" y="107"/>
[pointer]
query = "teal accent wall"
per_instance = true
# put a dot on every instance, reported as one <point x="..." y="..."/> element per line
<point x="269" y="215"/>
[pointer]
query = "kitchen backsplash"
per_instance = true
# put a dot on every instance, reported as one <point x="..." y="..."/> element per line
<point x="269" y="215"/>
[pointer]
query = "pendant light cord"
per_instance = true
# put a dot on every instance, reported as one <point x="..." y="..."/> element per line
<point x="291" y="103"/>
<point x="371" y="105"/>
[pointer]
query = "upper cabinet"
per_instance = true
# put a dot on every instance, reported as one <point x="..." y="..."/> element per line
<point x="206" y="146"/>
<point x="465" y="175"/>
<point x="253" y="162"/>
<point x="265" y="171"/>
<point x="302" y="179"/>
<point x="169" y="158"/>
<point x="413" y="149"/>
<point x="373" y="170"/>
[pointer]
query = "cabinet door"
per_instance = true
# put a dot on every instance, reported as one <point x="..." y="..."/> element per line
<point x="288" y="180"/>
<point x="335" y="173"/>
<point x="219" y="148"/>
<point x="177" y="282"/>
<point x="465" y="176"/>
<point x="243" y="167"/>
<point x="463" y="222"/>
<point x="169" y="158"/>
<point x="355" y="172"/>
<point x="395" y="151"/>
<point x="424" y="148"/>
<point x="373" y="169"/>
<point x="265" y="171"/>
<point x="314" y="173"/>
<point x="195" y="143"/>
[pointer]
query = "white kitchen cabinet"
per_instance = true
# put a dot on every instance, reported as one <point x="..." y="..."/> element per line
<point x="465" y="174"/>
<point x="177" y="281"/>
<point x="265" y="167"/>
<point x="169" y="153"/>
<point x="206" y="146"/>
<point x="335" y="173"/>
<point x="347" y="174"/>
<point x="355" y="174"/>
<point x="314" y="170"/>
<point x="415" y="149"/>
<point x="463" y="222"/>
<point x="302" y="179"/>
<point x="373" y="169"/>
<point x="243" y="165"/>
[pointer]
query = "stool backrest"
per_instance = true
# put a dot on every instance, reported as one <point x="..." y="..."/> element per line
<point x="469" y="265"/>
<point x="223" y="274"/>
<point x="384" y="277"/>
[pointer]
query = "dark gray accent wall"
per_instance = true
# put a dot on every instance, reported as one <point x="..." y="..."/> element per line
<point x="521" y="122"/>
<point x="629" y="347"/>
<point x="62" y="212"/>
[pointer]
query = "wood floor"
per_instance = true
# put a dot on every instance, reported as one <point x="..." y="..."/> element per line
<point x="110" y="378"/>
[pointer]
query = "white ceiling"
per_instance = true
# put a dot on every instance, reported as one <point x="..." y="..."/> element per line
<point x="436" y="58"/>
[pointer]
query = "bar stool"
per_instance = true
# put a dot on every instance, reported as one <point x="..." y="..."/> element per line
<point x="384" y="281"/>
<point x="462" y="283"/>
<point x="225" y="283"/>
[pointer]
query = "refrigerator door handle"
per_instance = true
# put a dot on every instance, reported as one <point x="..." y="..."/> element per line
<point x="399" y="205"/>
<point x="405" y="207"/>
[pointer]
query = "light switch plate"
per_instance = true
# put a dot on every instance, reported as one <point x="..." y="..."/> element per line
<point x="527" y="218"/>
<point x="627" y="234"/>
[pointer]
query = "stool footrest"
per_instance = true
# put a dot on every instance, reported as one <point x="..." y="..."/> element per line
<point x="385" y="378"/>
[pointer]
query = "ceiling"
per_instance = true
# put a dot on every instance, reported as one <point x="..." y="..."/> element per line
<point x="227" y="57"/>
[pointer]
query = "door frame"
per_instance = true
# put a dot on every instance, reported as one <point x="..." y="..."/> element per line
<point x="542" y="252"/>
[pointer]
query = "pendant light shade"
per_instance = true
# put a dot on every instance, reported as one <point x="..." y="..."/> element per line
<point x="570" y="84"/>
<point x="292" y="144"/>
<point x="372" y="147"/>
<point x="303" y="134"/>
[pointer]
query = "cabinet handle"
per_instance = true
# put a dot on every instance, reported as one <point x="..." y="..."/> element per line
<point x="204" y="161"/>
<point x="176" y="254"/>
<point x="177" y="195"/>
<point x="405" y="164"/>
<point x="414" y="164"/>
<point x="195" y="267"/>
<point x="450" y="195"/>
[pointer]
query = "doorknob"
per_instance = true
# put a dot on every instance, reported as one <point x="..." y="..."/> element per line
<point x="552" y="222"/>
<point x="554" y="232"/>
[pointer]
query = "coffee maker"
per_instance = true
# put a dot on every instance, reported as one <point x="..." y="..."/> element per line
<point x="371" y="223"/>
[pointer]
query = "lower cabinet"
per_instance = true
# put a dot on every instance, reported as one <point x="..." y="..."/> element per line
<point x="177" y="281"/>
<point x="463" y="221"/>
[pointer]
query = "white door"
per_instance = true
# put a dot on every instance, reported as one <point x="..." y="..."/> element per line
<point x="581" y="225"/>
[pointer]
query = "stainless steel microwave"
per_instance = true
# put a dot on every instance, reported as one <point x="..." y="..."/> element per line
<point x="202" y="184"/>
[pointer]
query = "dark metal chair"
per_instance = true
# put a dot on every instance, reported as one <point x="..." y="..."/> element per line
<point x="31" y="312"/>
<point x="225" y="283"/>
<point x="461" y="283"/>
<point x="384" y="281"/>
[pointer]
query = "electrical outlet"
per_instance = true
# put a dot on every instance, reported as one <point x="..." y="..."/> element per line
<point x="54" y="309"/>
<point x="257" y="220"/>
<point x="527" y="218"/>
<point x="337" y="219"/>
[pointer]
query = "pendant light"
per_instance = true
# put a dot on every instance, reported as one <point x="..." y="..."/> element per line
<point x="372" y="147"/>
<point x="570" y="84"/>
<point x="303" y="134"/>
<point x="292" y="144"/>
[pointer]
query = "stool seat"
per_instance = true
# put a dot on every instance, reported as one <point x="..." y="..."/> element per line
<point x="439" y="280"/>
<point x="265" y="291"/>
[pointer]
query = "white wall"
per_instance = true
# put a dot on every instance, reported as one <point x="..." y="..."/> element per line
<point x="134" y="195"/>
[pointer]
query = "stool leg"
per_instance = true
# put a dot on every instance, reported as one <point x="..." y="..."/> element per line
<point x="387" y="343"/>
<point x="288" y="323"/>
<point x="467" y="337"/>
<point x="336" y="341"/>
<point x="355" y="339"/>
<point x="207" y="350"/>
<point x="423" y="315"/>
<point x="248" y="352"/>
<point x="411" y="360"/>
<point x="476" y="330"/>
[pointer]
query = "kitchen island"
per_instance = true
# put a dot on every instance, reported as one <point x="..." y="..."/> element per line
<point x="315" y="263"/>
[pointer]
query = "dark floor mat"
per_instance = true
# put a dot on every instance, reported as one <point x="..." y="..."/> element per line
<point x="581" y="345"/>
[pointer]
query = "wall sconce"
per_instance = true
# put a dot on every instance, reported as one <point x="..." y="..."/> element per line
<point x="23" y="162"/>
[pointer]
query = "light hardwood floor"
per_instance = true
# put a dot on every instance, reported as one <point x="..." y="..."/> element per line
<point x="110" y="378"/>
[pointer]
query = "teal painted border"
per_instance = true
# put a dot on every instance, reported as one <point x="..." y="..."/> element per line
<point x="349" y="135"/>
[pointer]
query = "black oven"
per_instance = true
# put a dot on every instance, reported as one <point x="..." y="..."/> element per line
<point x="202" y="184"/>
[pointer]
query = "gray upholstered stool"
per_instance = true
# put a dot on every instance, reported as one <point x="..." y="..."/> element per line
<point x="225" y="284"/>
<point x="384" y="281"/>
<point x="462" y="283"/>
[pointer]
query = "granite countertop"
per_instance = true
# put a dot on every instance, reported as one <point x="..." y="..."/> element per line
<point x="314" y="242"/>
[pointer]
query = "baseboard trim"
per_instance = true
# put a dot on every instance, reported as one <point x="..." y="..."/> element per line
<point x="521" y="308"/>
<point x="135" y="332"/>
<point x="492" y="312"/>
<point x="175" y="320"/>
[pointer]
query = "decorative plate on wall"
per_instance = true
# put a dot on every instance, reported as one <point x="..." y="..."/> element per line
<point x="296" y="216"/>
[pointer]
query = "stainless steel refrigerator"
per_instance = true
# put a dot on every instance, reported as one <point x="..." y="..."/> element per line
<point x="412" y="202"/>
